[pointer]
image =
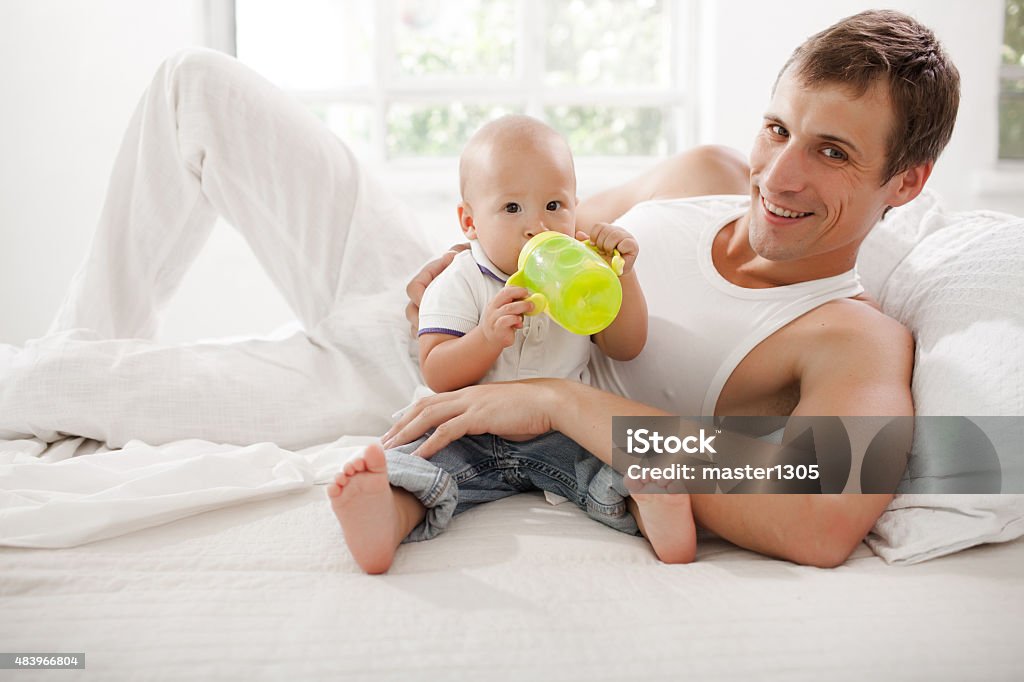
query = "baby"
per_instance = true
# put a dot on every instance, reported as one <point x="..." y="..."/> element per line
<point x="517" y="179"/>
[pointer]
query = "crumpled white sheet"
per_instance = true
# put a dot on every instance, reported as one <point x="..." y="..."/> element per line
<point x="75" y="491"/>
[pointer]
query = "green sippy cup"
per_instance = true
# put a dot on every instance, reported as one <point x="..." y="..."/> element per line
<point x="570" y="281"/>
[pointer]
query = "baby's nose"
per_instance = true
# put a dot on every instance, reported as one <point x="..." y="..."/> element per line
<point x="535" y="228"/>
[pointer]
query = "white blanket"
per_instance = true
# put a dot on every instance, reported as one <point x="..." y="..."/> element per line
<point x="79" y="499"/>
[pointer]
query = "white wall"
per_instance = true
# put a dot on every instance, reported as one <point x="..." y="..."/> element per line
<point x="71" y="73"/>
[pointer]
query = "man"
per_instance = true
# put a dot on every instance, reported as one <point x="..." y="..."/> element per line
<point x="211" y="137"/>
<point x="857" y="118"/>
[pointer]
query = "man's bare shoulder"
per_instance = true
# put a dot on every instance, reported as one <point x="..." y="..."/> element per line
<point x="710" y="169"/>
<point x="705" y="170"/>
<point x="858" y="318"/>
<point x="853" y="358"/>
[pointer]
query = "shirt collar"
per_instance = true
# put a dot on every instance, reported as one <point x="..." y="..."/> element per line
<point x="484" y="263"/>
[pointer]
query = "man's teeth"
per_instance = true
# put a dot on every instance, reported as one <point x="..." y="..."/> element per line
<point x="781" y="211"/>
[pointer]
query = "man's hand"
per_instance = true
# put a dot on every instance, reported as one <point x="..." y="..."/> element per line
<point x="513" y="410"/>
<point x="607" y="238"/>
<point x="504" y="315"/>
<point x="418" y="284"/>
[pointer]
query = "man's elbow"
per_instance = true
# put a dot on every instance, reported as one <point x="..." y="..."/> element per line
<point x="831" y="554"/>
<point x="845" y="521"/>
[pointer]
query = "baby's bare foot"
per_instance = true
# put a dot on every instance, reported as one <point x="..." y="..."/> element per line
<point x="365" y="506"/>
<point x="666" y="519"/>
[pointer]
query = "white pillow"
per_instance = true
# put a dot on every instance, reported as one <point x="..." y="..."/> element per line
<point x="956" y="279"/>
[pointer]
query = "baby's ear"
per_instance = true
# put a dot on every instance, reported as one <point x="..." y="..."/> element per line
<point x="466" y="220"/>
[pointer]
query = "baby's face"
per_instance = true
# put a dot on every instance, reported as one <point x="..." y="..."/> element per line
<point x="516" y="193"/>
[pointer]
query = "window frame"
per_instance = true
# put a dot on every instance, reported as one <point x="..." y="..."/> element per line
<point x="387" y="88"/>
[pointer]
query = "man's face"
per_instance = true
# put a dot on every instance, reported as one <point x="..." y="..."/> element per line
<point x="816" y="173"/>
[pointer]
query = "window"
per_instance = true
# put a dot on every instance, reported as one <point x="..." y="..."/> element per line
<point x="401" y="79"/>
<point x="1011" y="91"/>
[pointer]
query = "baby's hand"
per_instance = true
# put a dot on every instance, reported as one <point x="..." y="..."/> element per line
<point x="504" y="315"/>
<point x="607" y="238"/>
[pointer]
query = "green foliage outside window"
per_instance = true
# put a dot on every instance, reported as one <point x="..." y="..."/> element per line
<point x="421" y="64"/>
<point x="1011" y="95"/>
<point x="416" y="131"/>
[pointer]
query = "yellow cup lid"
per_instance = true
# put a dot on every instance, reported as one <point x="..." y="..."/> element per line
<point x="536" y="241"/>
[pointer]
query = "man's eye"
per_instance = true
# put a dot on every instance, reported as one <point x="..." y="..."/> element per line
<point x="778" y="130"/>
<point x="554" y="205"/>
<point x="833" y="153"/>
<point x="512" y="208"/>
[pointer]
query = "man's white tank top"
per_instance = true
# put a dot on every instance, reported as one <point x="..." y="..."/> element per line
<point x="701" y="325"/>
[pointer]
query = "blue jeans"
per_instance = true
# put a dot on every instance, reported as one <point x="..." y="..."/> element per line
<point x="478" y="469"/>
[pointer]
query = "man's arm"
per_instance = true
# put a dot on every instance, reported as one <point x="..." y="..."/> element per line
<point x="710" y="169"/>
<point x="860" y="365"/>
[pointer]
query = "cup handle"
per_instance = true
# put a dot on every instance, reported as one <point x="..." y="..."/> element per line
<point x="539" y="301"/>
<point x="617" y="264"/>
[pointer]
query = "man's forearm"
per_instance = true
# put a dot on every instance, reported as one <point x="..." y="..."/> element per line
<point x="584" y="414"/>
<point x="816" y="530"/>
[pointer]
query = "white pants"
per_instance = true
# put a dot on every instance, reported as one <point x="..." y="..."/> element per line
<point x="212" y="137"/>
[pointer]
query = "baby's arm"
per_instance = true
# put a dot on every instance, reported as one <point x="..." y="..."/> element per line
<point x="451" y="362"/>
<point x="624" y="338"/>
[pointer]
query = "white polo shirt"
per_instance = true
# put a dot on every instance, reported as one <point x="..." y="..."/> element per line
<point x="454" y="303"/>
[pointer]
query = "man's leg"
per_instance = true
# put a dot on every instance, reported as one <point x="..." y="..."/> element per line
<point x="211" y="136"/>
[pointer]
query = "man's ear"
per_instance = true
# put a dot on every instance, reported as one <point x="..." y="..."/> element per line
<point x="466" y="220"/>
<point x="907" y="185"/>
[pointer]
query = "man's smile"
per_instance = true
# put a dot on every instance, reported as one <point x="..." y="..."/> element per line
<point x="778" y="213"/>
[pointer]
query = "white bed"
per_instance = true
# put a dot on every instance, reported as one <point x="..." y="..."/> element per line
<point x="245" y="576"/>
<point x="519" y="589"/>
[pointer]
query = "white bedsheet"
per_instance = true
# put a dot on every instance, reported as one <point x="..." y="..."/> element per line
<point x="517" y="590"/>
<point x="63" y="496"/>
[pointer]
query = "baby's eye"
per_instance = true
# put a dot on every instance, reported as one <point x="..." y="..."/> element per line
<point x="833" y="153"/>
<point x="512" y="207"/>
<point x="554" y="205"/>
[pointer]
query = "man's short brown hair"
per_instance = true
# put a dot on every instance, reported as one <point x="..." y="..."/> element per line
<point x="923" y="83"/>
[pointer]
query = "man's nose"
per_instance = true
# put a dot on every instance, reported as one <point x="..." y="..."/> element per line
<point x="786" y="171"/>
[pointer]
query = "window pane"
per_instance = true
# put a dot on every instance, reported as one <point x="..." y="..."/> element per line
<point x="1011" y="120"/>
<point x="1013" y="33"/>
<point x="436" y="130"/>
<point x="607" y="42"/>
<point x="306" y="44"/>
<point x="612" y="131"/>
<point x="352" y="123"/>
<point x="456" y="38"/>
